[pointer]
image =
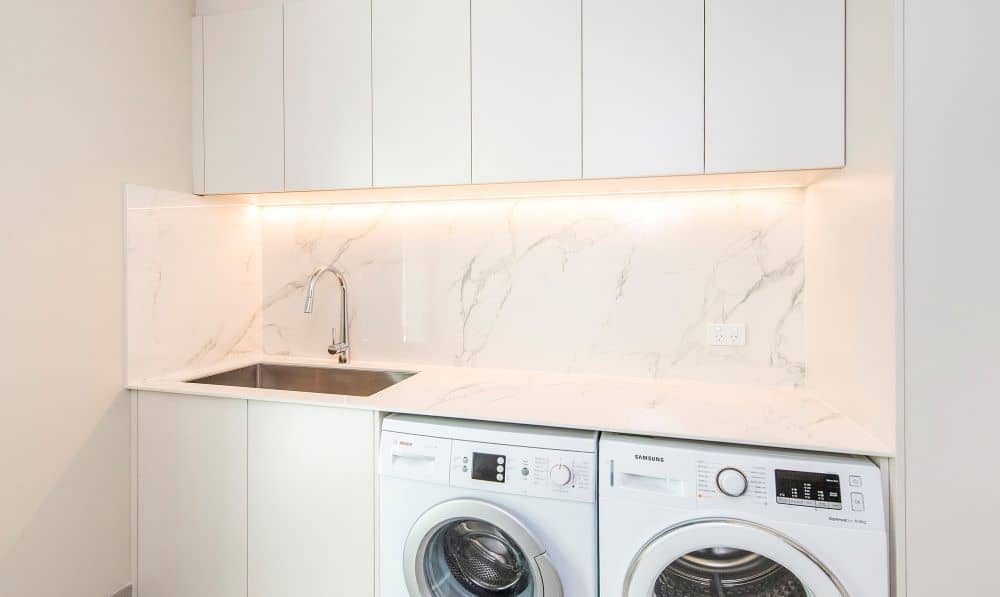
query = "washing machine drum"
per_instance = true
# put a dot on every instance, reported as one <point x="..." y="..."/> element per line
<point x="719" y="571"/>
<point x="479" y="558"/>
<point x="470" y="548"/>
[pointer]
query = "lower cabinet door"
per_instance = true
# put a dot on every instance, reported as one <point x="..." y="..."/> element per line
<point x="311" y="500"/>
<point x="191" y="517"/>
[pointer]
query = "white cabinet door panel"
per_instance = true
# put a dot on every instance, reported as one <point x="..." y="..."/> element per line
<point x="328" y="135"/>
<point x="643" y="87"/>
<point x="311" y="500"/>
<point x="420" y="70"/>
<point x="526" y="97"/>
<point x="774" y="80"/>
<point x="191" y="496"/>
<point x="244" y="130"/>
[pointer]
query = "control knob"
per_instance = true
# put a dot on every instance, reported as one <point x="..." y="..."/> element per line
<point x="561" y="475"/>
<point x="731" y="482"/>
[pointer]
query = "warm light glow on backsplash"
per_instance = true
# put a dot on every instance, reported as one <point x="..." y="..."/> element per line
<point x="633" y="187"/>
<point x="642" y="211"/>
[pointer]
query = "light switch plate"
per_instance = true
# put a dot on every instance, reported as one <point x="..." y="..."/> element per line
<point x="726" y="334"/>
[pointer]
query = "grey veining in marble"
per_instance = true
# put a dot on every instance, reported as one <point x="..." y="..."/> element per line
<point x="622" y="285"/>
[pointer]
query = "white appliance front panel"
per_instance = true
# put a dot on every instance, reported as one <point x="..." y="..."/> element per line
<point x="835" y="491"/>
<point x="416" y="457"/>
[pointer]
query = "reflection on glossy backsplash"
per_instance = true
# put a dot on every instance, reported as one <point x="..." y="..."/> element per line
<point x="620" y="285"/>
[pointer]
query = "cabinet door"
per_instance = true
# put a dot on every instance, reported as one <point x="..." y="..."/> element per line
<point x="643" y="87"/>
<point x="774" y="85"/>
<point x="191" y="496"/>
<point x="328" y="120"/>
<point x="526" y="90"/>
<point x="311" y="501"/>
<point x="243" y="114"/>
<point x="420" y="70"/>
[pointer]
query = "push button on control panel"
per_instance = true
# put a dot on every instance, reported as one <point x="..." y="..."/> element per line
<point x="855" y="481"/>
<point x="857" y="502"/>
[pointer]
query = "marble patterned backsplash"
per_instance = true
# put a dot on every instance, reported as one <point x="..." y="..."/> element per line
<point x="193" y="275"/>
<point x="618" y="285"/>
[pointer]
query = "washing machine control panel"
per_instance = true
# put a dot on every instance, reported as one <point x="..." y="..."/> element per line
<point x="523" y="470"/>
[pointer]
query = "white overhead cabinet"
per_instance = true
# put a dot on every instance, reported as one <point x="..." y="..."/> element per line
<point x="191" y="496"/>
<point x="774" y="85"/>
<point x="243" y="124"/>
<point x="312" y="500"/>
<point x="328" y="111"/>
<point x="337" y="94"/>
<point x="420" y="67"/>
<point x="526" y="97"/>
<point x="643" y="87"/>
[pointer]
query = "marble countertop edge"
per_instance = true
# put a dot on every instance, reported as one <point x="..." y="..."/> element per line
<point x="768" y="416"/>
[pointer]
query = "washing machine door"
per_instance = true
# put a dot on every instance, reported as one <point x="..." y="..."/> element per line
<point x="471" y="548"/>
<point x="721" y="557"/>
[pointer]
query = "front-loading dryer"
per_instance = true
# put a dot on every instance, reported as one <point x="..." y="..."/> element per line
<point x="689" y="519"/>
<point x="471" y="509"/>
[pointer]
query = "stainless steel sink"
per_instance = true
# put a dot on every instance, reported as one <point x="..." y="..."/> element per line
<point x="352" y="382"/>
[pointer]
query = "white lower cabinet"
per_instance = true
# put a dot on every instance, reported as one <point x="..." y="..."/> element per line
<point x="237" y="498"/>
<point x="311" y="490"/>
<point x="191" y="496"/>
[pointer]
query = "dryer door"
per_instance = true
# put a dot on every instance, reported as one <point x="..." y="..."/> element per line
<point x="471" y="548"/>
<point x="721" y="557"/>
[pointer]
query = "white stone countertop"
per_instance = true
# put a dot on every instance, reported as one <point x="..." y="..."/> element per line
<point x="782" y="417"/>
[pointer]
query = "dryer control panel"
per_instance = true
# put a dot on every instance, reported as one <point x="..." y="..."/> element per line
<point x="744" y="482"/>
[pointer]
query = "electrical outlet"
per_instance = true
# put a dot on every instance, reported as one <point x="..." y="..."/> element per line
<point x="726" y="334"/>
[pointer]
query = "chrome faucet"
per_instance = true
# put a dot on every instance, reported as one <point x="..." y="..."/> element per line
<point x="341" y="349"/>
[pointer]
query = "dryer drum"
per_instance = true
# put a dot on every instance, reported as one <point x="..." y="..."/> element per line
<point x="484" y="560"/>
<point x="724" y="572"/>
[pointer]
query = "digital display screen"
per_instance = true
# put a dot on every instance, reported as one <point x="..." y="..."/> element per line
<point x="816" y="490"/>
<point x="489" y="467"/>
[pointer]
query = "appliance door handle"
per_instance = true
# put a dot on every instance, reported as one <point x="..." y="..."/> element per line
<point x="551" y="585"/>
<point x="402" y="455"/>
<point x="413" y="462"/>
<point x="661" y="484"/>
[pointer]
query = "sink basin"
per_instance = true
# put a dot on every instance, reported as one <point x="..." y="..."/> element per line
<point x="352" y="382"/>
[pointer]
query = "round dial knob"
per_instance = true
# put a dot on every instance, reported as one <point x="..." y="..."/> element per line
<point x="731" y="482"/>
<point x="561" y="475"/>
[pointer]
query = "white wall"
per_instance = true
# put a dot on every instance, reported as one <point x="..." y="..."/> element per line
<point x="850" y="291"/>
<point x="951" y="211"/>
<point x="95" y="94"/>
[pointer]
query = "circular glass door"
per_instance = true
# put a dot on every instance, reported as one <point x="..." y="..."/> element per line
<point x="473" y="557"/>
<point x="721" y="571"/>
<point x="721" y="557"/>
<point x="471" y="548"/>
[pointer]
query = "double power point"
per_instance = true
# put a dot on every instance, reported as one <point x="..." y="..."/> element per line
<point x="726" y="334"/>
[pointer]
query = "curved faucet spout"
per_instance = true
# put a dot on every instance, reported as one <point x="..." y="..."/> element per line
<point x="342" y="348"/>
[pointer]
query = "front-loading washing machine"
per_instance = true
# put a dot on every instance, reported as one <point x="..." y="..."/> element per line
<point x="471" y="509"/>
<point x="689" y="519"/>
